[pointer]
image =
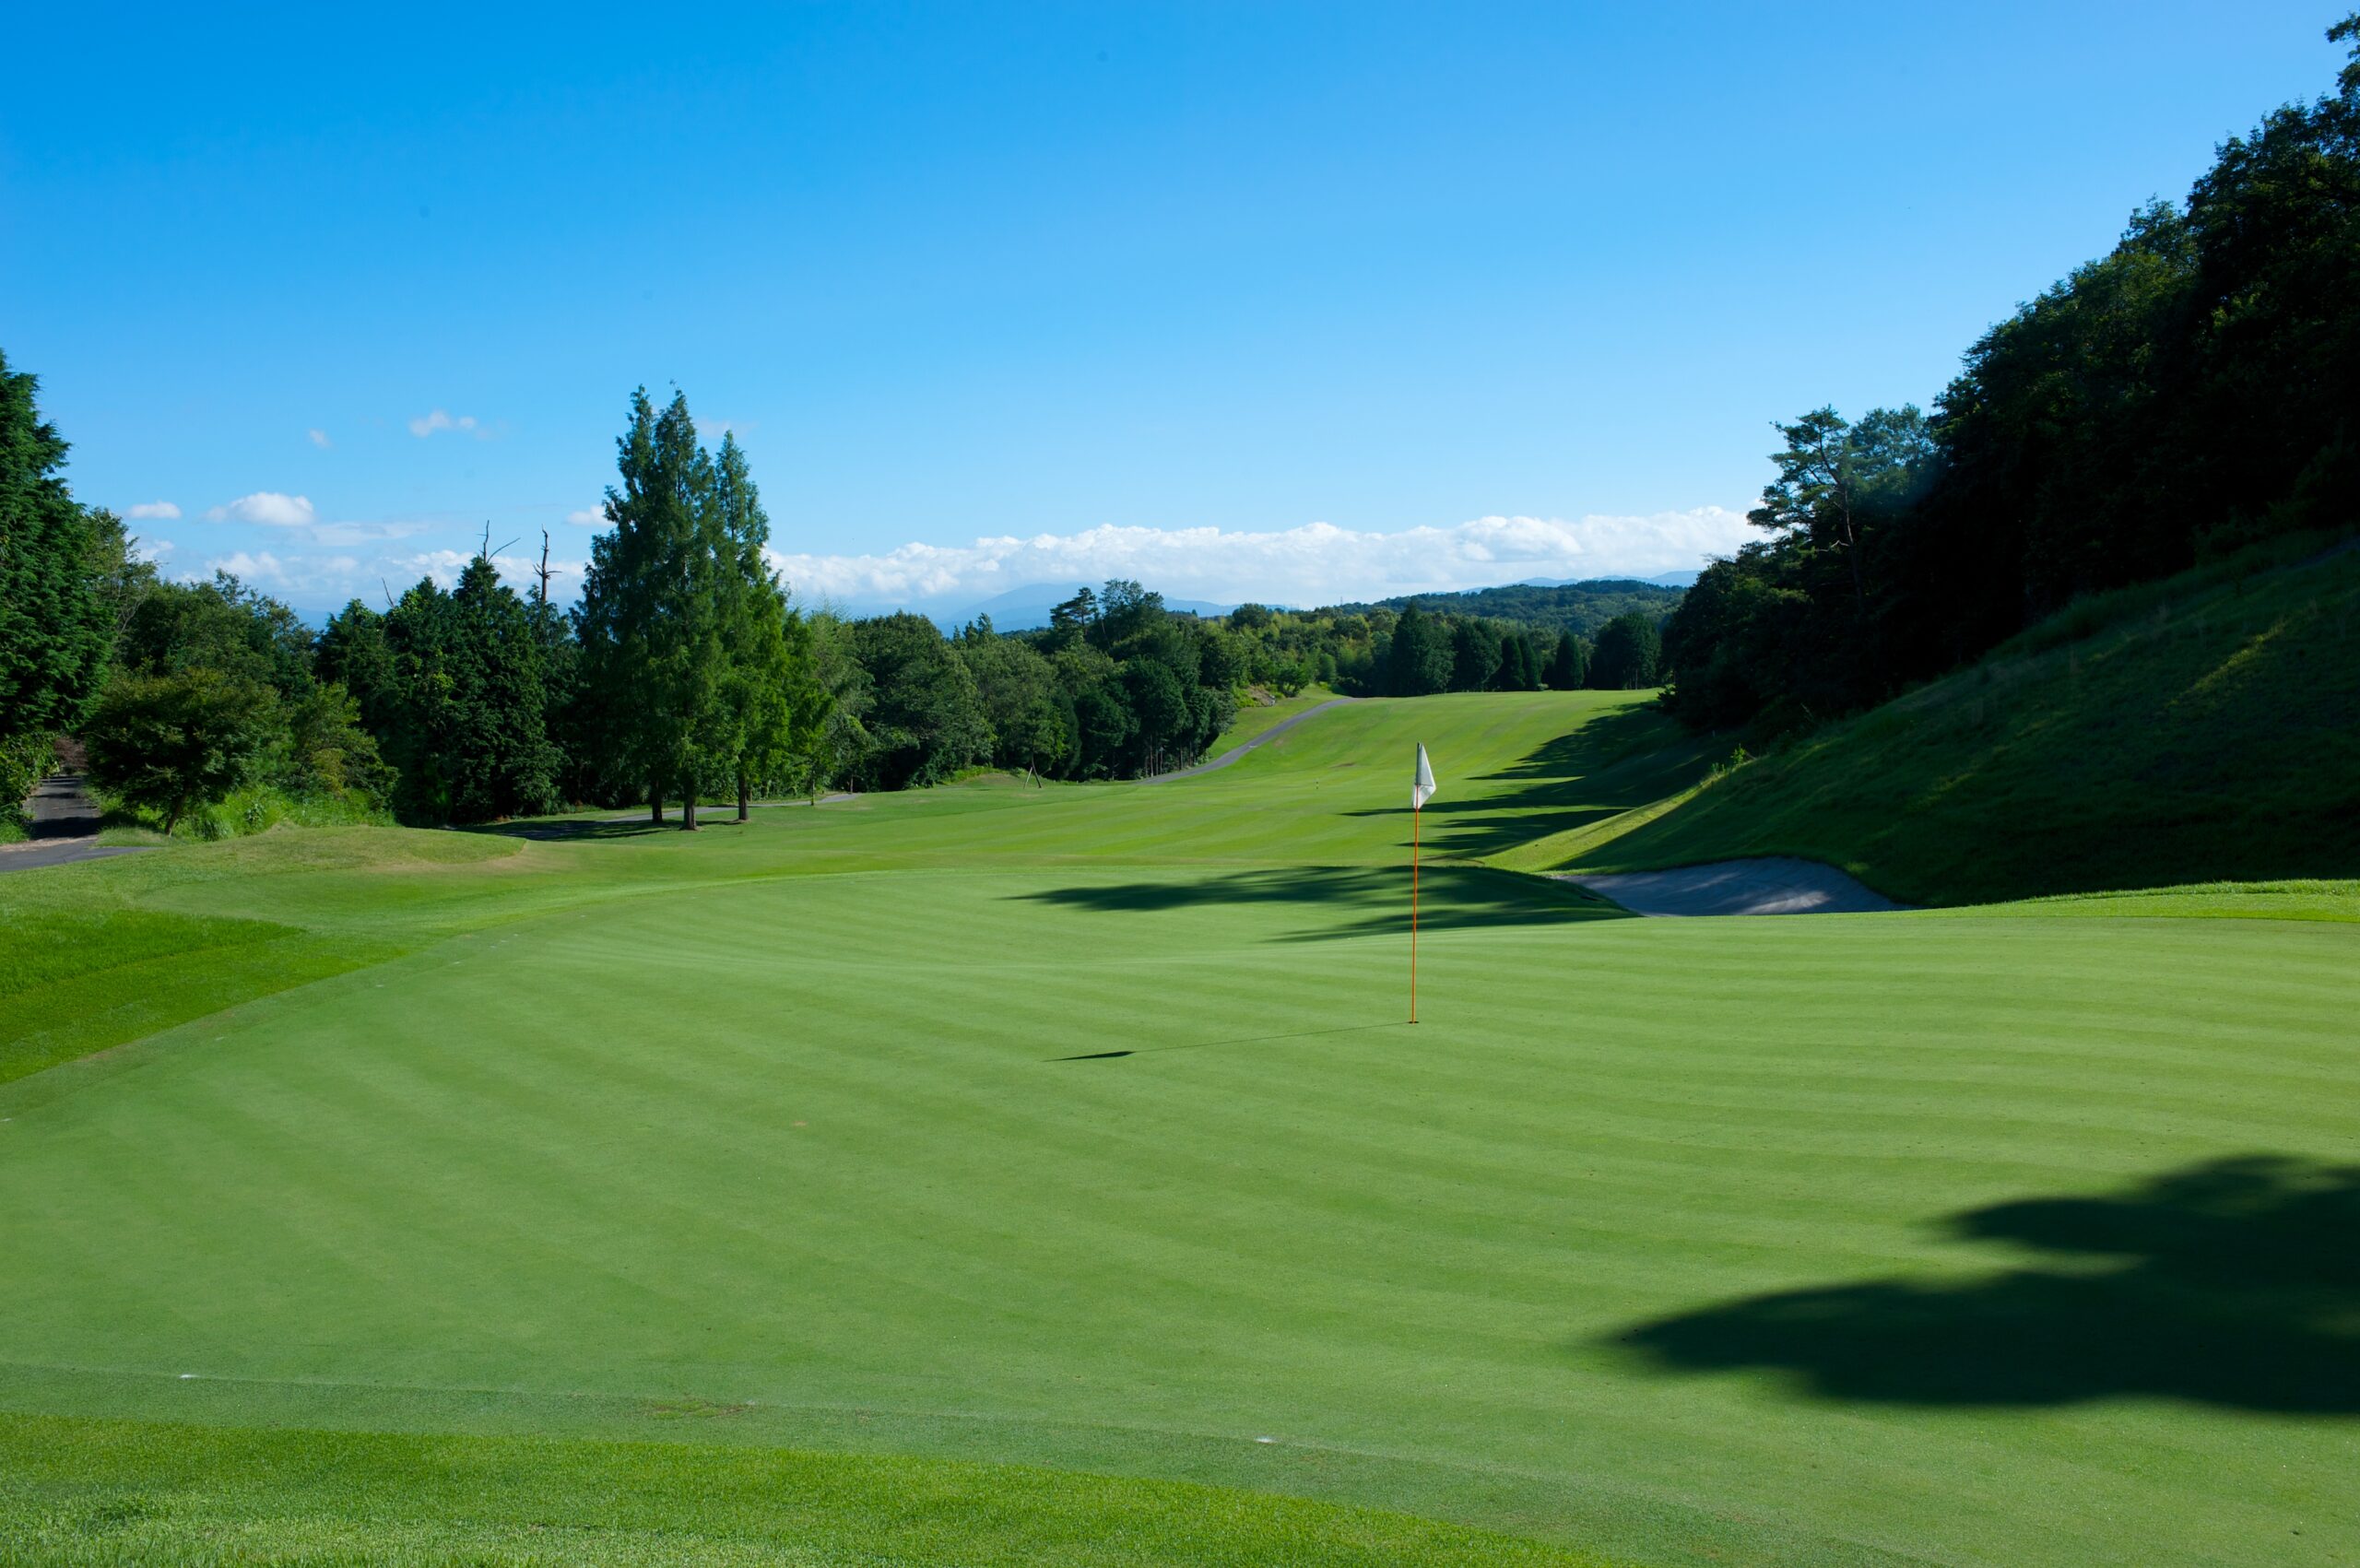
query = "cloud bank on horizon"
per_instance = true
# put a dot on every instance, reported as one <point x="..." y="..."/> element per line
<point x="1316" y="563"/>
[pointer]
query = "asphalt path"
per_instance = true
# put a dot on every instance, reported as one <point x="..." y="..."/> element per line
<point x="1234" y="752"/>
<point x="65" y="828"/>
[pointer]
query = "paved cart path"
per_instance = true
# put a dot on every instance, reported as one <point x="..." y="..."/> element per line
<point x="65" y="828"/>
<point x="1234" y="752"/>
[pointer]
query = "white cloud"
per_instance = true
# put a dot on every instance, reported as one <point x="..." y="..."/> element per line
<point x="588" y="517"/>
<point x="301" y="577"/>
<point x="516" y="571"/>
<point x="1314" y="564"/>
<point x="268" y="508"/>
<point x="439" y="420"/>
<point x="347" y="534"/>
<point x="319" y="438"/>
<point x="259" y="566"/>
<point x="152" y="511"/>
<point x="314" y="563"/>
<point x="153" y="551"/>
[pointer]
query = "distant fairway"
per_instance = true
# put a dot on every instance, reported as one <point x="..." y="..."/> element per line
<point x="2013" y="1236"/>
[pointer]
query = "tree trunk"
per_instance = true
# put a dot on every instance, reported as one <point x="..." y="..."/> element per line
<point x="745" y="800"/>
<point x="1852" y="554"/>
<point x="654" y="804"/>
<point x="689" y="812"/>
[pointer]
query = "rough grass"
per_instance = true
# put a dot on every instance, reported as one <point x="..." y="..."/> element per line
<point x="1078" y="1129"/>
<point x="2203" y="729"/>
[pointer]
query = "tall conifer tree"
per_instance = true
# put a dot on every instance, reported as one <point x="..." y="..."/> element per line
<point x="650" y="616"/>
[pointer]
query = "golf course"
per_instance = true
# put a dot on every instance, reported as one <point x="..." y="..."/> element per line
<point x="1002" y="1172"/>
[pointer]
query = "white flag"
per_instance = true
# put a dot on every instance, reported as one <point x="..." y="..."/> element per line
<point x="1422" y="790"/>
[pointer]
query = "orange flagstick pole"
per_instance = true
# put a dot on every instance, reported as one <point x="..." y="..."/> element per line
<point x="1415" y="814"/>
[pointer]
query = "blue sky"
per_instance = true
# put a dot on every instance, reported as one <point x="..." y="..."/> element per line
<point x="1296" y="304"/>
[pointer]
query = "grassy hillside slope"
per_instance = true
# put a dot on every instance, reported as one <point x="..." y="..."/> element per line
<point x="1078" y="1129"/>
<point x="2201" y="729"/>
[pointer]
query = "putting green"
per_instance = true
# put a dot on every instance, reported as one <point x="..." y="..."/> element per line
<point x="1947" y="1237"/>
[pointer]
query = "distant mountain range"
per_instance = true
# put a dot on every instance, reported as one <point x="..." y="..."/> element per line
<point x="1662" y="580"/>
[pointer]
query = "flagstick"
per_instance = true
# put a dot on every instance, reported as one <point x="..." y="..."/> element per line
<point x="1415" y="814"/>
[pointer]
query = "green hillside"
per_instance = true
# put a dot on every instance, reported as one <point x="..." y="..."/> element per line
<point x="2203" y="728"/>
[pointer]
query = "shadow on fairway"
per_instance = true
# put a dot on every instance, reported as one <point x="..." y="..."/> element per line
<point x="1613" y="762"/>
<point x="2233" y="1283"/>
<point x="575" y="829"/>
<point x="1363" y="901"/>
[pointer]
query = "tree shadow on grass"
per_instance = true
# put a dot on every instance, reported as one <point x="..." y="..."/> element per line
<point x="1613" y="762"/>
<point x="2235" y="1282"/>
<point x="1359" y="901"/>
<point x="575" y="829"/>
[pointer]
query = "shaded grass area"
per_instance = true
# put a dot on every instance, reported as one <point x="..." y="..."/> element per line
<point x="78" y="1492"/>
<point x="2204" y="729"/>
<point x="1341" y="901"/>
<point x="2232" y="1282"/>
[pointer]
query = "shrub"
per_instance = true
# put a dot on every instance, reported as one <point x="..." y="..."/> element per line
<point x="175" y="743"/>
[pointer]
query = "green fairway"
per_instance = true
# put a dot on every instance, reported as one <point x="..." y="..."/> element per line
<point x="1080" y="1128"/>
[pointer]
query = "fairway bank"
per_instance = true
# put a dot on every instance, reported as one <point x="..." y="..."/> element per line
<point x="760" y="1138"/>
<point x="2202" y="728"/>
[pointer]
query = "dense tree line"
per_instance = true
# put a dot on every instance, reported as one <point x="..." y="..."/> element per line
<point x="1582" y="609"/>
<point x="2191" y="393"/>
<point x="683" y="675"/>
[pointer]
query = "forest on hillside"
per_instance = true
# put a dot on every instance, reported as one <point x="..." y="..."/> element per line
<point x="2191" y="393"/>
<point x="1582" y="609"/>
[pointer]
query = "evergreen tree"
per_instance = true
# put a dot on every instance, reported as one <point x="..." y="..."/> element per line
<point x="1420" y="661"/>
<point x="1629" y="649"/>
<point x="353" y="653"/>
<point x="419" y="736"/>
<point x="1474" y="654"/>
<point x="650" y="618"/>
<point x="756" y="714"/>
<point x="54" y="624"/>
<point x="498" y="756"/>
<point x="1569" y="665"/>
<point x="1515" y="662"/>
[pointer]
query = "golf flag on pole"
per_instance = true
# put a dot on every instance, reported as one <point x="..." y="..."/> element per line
<point x="1422" y="789"/>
